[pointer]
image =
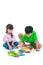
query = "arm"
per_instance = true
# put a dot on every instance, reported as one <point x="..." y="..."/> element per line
<point x="21" y="44"/>
<point x="8" y="44"/>
<point x="7" y="41"/>
<point x="13" y="39"/>
<point x="38" y="45"/>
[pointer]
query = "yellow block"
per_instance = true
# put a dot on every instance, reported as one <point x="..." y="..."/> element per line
<point x="10" y="54"/>
<point x="28" y="49"/>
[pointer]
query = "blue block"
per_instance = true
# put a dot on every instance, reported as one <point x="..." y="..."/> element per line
<point x="22" y="54"/>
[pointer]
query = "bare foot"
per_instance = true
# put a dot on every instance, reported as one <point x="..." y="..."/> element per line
<point x="16" y="47"/>
<point x="37" y="49"/>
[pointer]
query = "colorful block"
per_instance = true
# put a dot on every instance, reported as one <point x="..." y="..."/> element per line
<point x="22" y="54"/>
<point x="13" y="53"/>
<point x="27" y="50"/>
<point x="20" y="51"/>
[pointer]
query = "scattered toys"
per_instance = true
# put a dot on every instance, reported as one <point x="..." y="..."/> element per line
<point x="20" y="52"/>
<point x="16" y="54"/>
<point x="13" y="53"/>
<point x="27" y="50"/>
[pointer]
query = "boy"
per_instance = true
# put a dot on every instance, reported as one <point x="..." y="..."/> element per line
<point x="30" y="36"/>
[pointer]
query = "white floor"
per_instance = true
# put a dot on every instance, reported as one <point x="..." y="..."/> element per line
<point x="35" y="58"/>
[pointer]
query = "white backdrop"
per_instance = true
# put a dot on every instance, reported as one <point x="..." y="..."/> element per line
<point x="21" y="13"/>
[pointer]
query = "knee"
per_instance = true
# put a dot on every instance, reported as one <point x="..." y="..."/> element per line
<point x="40" y="45"/>
<point x="5" y="45"/>
<point x="20" y="35"/>
<point x="16" y="43"/>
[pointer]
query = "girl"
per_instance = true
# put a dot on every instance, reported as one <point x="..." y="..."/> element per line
<point x="9" y="38"/>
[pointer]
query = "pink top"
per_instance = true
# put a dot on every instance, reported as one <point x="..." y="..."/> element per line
<point x="9" y="38"/>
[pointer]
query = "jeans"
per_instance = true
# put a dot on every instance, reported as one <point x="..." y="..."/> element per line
<point x="5" y="45"/>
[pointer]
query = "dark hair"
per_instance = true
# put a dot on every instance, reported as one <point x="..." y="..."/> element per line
<point x="28" y="29"/>
<point x="9" y="26"/>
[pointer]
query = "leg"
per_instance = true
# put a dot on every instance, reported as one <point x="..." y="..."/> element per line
<point x="5" y="45"/>
<point x="16" y="43"/>
<point x="20" y="35"/>
<point x="38" y="45"/>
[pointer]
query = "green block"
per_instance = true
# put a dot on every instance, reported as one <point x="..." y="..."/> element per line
<point x="21" y="51"/>
<point x="10" y="53"/>
<point x="13" y="53"/>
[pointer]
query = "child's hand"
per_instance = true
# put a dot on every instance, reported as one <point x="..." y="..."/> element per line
<point x="10" y="47"/>
<point x="12" y="44"/>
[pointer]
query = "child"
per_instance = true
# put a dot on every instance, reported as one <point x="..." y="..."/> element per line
<point x="9" y="38"/>
<point x="30" y="36"/>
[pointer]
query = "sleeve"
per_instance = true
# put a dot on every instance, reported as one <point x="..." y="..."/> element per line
<point x="23" y="39"/>
<point x="35" y="37"/>
<point x="5" y="38"/>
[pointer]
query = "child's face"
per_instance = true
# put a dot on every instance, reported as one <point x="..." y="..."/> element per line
<point x="28" y="35"/>
<point x="10" y="31"/>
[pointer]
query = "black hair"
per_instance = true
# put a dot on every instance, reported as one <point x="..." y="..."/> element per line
<point x="28" y="29"/>
<point x="9" y="26"/>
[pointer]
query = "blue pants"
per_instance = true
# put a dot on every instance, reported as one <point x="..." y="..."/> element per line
<point x="5" y="45"/>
